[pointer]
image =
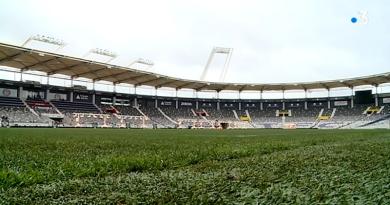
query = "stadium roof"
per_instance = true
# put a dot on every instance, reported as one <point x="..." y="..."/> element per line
<point x="51" y="63"/>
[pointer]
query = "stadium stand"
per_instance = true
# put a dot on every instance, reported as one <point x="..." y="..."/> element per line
<point x="74" y="107"/>
<point x="16" y="111"/>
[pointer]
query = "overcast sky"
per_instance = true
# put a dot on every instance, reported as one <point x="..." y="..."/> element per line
<point x="274" y="41"/>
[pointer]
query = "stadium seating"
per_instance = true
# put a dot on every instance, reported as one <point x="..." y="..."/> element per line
<point x="73" y="107"/>
<point x="89" y="115"/>
<point x="16" y="111"/>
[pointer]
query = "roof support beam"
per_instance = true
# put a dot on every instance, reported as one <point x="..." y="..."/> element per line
<point x="242" y="88"/>
<point x="325" y="86"/>
<point x="184" y="85"/>
<point x="110" y="76"/>
<point x="368" y="82"/>
<point x="39" y="63"/>
<point x="201" y="87"/>
<point x="166" y="83"/>
<point x="147" y="81"/>
<point x="3" y="52"/>
<point x="346" y="84"/>
<point x="66" y="68"/>
<point x="88" y="72"/>
<point x="130" y="78"/>
<point x="8" y="58"/>
<point x="387" y="77"/>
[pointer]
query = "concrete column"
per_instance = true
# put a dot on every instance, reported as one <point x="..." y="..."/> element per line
<point x="135" y="102"/>
<point x="177" y="103"/>
<point x="71" y="96"/>
<point x="239" y="106"/>
<point x="305" y="99"/>
<point x="156" y="103"/>
<point x="20" y="90"/>
<point x="218" y="108"/>
<point x="94" y="98"/>
<point x="352" y="102"/>
<point x="376" y="100"/>
<point x="47" y="94"/>
<point x="376" y="96"/>
<point x="284" y="105"/>
<point x="261" y="105"/>
<point x="328" y="98"/>
<point x="114" y="100"/>
<point x="197" y="105"/>
<point x="352" y="97"/>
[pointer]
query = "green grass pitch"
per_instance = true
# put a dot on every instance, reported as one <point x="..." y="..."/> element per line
<point x="111" y="166"/>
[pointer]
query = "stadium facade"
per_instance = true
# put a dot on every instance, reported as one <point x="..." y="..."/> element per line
<point x="29" y="103"/>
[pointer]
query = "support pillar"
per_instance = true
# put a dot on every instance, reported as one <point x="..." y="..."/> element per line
<point x="135" y="102"/>
<point x="352" y="98"/>
<point x="305" y="99"/>
<point x="71" y="96"/>
<point x="376" y="96"/>
<point x="47" y="94"/>
<point x="328" y="98"/>
<point x="94" y="98"/>
<point x="20" y="91"/>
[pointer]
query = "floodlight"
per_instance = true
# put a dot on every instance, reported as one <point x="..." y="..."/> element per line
<point x="141" y="61"/>
<point x="102" y="52"/>
<point x="46" y="39"/>
<point x="218" y="50"/>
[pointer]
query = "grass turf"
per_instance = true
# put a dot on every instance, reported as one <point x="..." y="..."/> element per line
<point x="107" y="166"/>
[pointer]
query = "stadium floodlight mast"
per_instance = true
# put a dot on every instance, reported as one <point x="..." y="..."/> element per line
<point x="218" y="50"/>
<point x="46" y="39"/>
<point x="43" y="39"/>
<point x="141" y="61"/>
<point x="102" y="52"/>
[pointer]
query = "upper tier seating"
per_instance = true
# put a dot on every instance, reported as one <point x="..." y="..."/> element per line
<point x="75" y="107"/>
<point x="11" y="102"/>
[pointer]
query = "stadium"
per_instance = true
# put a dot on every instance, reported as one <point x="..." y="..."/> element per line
<point x="77" y="130"/>
<point x="32" y="104"/>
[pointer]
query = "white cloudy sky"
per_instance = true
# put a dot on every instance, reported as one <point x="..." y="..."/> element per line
<point x="274" y="41"/>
